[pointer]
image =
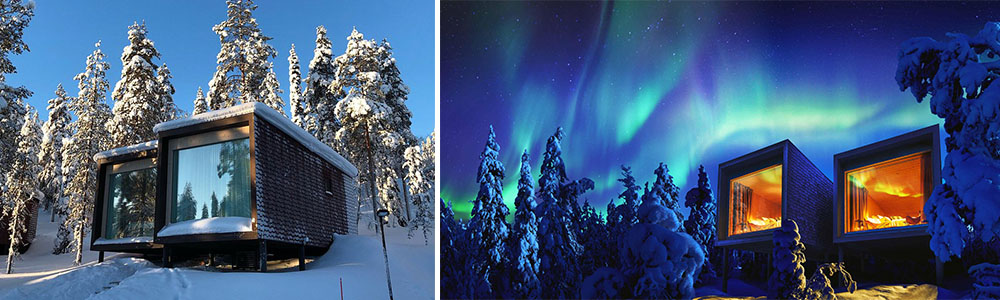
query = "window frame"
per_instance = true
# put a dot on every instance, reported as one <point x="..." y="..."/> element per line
<point x="199" y="140"/>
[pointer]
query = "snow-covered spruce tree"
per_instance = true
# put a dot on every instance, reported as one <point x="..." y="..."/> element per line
<point x="419" y="167"/>
<point x="138" y="94"/>
<point x="55" y="129"/>
<point x="959" y="75"/>
<point x="166" y="91"/>
<point x="669" y="193"/>
<point x="245" y="72"/>
<point x="318" y="99"/>
<point x="658" y="260"/>
<point x="700" y="223"/>
<point x="200" y="105"/>
<point x="522" y="250"/>
<point x="22" y="187"/>
<point x="594" y="240"/>
<point x="557" y="241"/>
<point x="456" y="277"/>
<point x="621" y="217"/>
<point x="488" y="229"/>
<point x="367" y="74"/>
<point x="295" y="88"/>
<point x="17" y="15"/>
<point x="90" y="136"/>
<point x="788" y="280"/>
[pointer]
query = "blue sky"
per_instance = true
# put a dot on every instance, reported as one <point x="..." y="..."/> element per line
<point x="63" y="33"/>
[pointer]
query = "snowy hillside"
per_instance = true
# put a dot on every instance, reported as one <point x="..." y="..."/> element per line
<point x="356" y="259"/>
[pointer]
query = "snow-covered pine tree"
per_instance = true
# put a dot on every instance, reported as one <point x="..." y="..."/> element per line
<point x="700" y="223"/>
<point x="204" y="211"/>
<point x="22" y="187"/>
<point x="17" y="15"/>
<point x="90" y="136"/>
<point x="245" y="72"/>
<point x="318" y="98"/>
<point x="788" y="280"/>
<point x="959" y="74"/>
<point x="455" y="273"/>
<point x="138" y="94"/>
<point x="488" y="226"/>
<point x="295" y="89"/>
<point x="215" y="206"/>
<point x="658" y="261"/>
<point x="168" y="109"/>
<point x="419" y="167"/>
<point x="522" y="251"/>
<point x="200" y="105"/>
<point x="368" y="71"/>
<point x="597" y="245"/>
<point x="55" y="129"/>
<point x="557" y="241"/>
<point x="621" y="217"/>
<point x="668" y="192"/>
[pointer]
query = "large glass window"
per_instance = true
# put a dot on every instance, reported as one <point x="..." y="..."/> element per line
<point x="887" y="194"/>
<point x="211" y="180"/>
<point x="755" y="201"/>
<point x="131" y="197"/>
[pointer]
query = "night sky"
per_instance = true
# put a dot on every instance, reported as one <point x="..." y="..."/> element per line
<point x="683" y="83"/>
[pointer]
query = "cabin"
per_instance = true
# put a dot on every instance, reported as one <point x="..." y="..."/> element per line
<point x="881" y="191"/>
<point x="757" y="190"/>
<point x="125" y="200"/>
<point x="241" y="185"/>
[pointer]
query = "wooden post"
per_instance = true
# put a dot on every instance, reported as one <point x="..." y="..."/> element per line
<point x="938" y="270"/>
<point x="100" y="257"/>
<point x="725" y="269"/>
<point x="167" y="263"/>
<point x="840" y="259"/>
<point x="302" y="257"/>
<point x="211" y="259"/>
<point x="262" y="259"/>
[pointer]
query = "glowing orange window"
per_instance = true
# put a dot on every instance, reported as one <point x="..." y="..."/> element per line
<point x="886" y="194"/>
<point x="755" y="201"/>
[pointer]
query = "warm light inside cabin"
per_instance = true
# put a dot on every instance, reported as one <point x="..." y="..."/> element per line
<point x="755" y="201"/>
<point x="886" y="194"/>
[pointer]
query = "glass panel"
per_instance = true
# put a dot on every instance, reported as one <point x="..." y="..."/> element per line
<point x="212" y="181"/>
<point x="887" y="194"/>
<point x="131" y="200"/>
<point x="755" y="201"/>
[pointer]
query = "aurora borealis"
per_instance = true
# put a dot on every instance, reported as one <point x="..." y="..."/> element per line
<point x="684" y="83"/>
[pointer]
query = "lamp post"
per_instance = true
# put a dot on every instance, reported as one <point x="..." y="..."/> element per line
<point x="382" y="214"/>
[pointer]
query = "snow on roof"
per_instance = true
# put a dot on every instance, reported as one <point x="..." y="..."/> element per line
<point x="210" y="225"/>
<point x="150" y="145"/>
<point x="276" y="119"/>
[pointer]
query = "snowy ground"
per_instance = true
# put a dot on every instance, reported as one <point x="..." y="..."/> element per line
<point x="355" y="259"/>
<point x="744" y="291"/>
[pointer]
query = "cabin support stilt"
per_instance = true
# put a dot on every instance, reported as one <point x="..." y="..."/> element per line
<point x="302" y="257"/>
<point x="725" y="270"/>
<point x="100" y="257"/>
<point x="262" y="259"/>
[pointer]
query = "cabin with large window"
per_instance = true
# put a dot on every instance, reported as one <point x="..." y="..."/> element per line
<point x="247" y="181"/>
<point x="126" y="197"/>
<point x="760" y="189"/>
<point x="881" y="191"/>
<point x="238" y="186"/>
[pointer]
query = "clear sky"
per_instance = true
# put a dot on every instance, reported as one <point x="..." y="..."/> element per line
<point x="63" y="33"/>
<point x="683" y="83"/>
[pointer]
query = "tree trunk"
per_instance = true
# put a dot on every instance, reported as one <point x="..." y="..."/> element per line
<point x="11" y="250"/>
<point x="79" y="243"/>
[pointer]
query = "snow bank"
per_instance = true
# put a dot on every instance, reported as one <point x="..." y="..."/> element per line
<point x="150" y="145"/>
<point x="210" y="225"/>
<point x="78" y="283"/>
<point x="273" y="117"/>
<point x="131" y="240"/>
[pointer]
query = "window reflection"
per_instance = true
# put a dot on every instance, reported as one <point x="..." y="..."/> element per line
<point x="212" y="181"/>
<point x="755" y="201"/>
<point x="131" y="196"/>
<point x="887" y="194"/>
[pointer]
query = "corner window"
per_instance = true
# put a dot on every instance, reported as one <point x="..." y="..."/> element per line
<point x="887" y="194"/>
<point x="210" y="176"/>
<point x="130" y="200"/>
<point x="755" y="201"/>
